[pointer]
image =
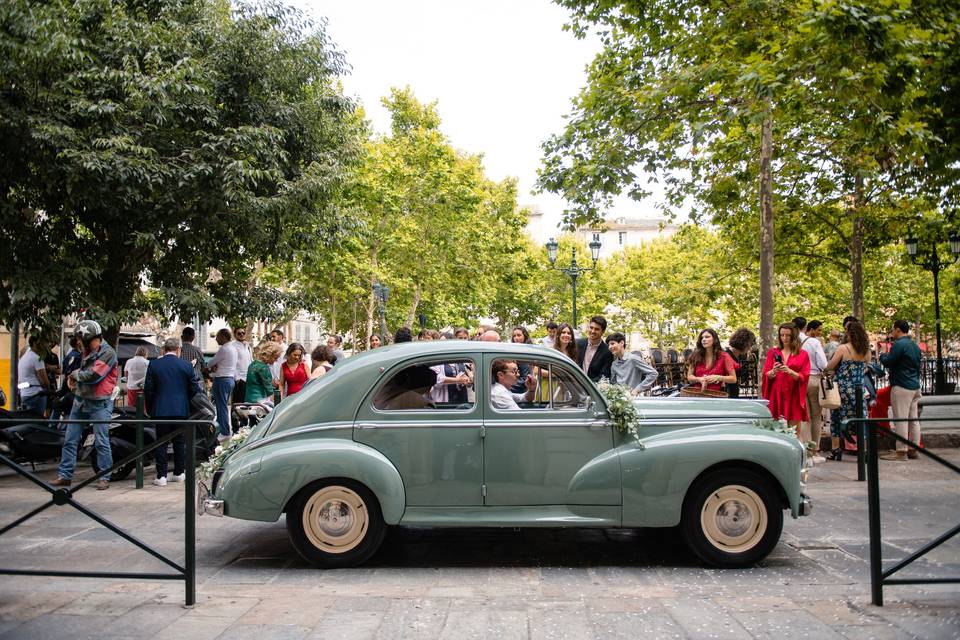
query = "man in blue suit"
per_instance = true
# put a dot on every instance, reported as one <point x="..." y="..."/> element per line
<point x="168" y="388"/>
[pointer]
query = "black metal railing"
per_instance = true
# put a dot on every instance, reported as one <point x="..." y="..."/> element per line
<point x="673" y="373"/>
<point x="878" y="576"/>
<point x="65" y="496"/>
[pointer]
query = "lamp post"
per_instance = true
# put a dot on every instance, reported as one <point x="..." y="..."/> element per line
<point x="931" y="262"/>
<point x="574" y="270"/>
<point x="380" y="292"/>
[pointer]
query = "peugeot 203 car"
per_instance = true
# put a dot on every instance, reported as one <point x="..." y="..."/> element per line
<point x="410" y="435"/>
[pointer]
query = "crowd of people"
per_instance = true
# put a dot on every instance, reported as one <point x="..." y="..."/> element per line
<point x="793" y="377"/>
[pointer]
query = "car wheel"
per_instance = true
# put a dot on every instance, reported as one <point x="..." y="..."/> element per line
<point x="335" y="523"/>
<point x="732" y="518"/>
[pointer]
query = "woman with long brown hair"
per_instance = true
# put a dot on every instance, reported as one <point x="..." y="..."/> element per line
<point x="566" y="342"/>
<point x="709" y="365"/>
<point x="785" y="375"/>
<point x="849" y="361"/>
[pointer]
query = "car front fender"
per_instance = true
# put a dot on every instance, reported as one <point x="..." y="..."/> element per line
<point x="658" y="474"/>
<point x="257" y="484"/>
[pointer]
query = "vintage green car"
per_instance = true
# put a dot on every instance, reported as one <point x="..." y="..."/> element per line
<point x="428" y="434"/>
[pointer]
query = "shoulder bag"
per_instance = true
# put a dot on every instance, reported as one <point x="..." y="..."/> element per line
<point x="829" y="394"/>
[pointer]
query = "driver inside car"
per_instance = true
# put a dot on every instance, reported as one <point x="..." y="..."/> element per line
<point x="505" y="375"/>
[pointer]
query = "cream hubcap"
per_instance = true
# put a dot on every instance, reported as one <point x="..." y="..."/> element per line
<point x="335" y="519"/>
<point x="734" y="519"/>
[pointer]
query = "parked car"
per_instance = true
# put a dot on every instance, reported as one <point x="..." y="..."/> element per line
<point x="378" y="442"/>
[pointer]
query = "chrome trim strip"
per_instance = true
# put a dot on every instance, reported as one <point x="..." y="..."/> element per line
<point x="419" y="424"/>
<point x="297" y="432"/>
<point x="514" y="424"/>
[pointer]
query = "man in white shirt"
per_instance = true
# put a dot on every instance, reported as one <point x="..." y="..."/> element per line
<point x="244" y="359"/>
<point x="810" y="342"/>
<point x="223" y="368"/>
<point x="32" y="374"/>
<point x="277" y="336"/>
<point x="550" y="340"/>
<point x="506" y="373"/>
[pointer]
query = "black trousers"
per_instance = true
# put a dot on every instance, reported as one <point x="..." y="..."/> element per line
<point x="179" y="451"/>
<point x="240" y="391"/>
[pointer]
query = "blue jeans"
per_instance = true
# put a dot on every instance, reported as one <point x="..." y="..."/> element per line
<point x="222" y="388"/>
<point x="83" y="411"/>
<point x="36" y="403"/>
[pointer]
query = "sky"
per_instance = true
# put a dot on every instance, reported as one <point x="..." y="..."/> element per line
<point x="503" y="74"/>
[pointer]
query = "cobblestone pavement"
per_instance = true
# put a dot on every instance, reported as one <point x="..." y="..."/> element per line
<point x="474" y="583"/>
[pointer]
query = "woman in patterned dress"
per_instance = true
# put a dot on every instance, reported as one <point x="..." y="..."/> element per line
<point x="849" y="361"/>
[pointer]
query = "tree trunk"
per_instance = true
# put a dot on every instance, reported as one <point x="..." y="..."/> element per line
<point x="353" y="326"/>
<point x="412" y="313"/>
<point x="856" y="252"/>
<point x="333" y="314"/>
<point x="372" y="299"/>
<point x="766" y="235"/>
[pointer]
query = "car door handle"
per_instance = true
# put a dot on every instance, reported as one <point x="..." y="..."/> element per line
<point x="596" y="425"/>
<point x="365" y="425"/>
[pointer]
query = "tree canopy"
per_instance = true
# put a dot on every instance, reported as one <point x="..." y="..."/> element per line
<point x="172" y="143"/>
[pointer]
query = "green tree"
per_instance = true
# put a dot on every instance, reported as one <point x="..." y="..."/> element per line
<point x="162" y="143"/>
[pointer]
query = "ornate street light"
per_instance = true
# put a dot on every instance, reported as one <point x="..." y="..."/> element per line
<point x="380" y="292"/>
<point x="574" y="271"/>
<point x="931" y="262"/>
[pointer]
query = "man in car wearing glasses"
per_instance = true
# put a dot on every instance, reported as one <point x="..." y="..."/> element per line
<point x="506" y="373"/>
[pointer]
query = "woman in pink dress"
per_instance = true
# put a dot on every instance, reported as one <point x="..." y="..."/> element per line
<point x="785" y="375"/>
<point x="293" y="373"/>
<point x="709" y="365"/>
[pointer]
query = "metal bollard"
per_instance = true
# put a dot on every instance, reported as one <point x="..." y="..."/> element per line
<point x="141" y="415"/>
<point x="190" y="515"/>
<point x="861" y="435"/>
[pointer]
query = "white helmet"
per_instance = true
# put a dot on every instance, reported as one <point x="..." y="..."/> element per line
<point x="87" y="330"/>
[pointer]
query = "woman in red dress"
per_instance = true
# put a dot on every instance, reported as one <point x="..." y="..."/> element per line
<point x="785" y="375"/>
<point x="293" y="373"/>
<point x="709" y="365"/>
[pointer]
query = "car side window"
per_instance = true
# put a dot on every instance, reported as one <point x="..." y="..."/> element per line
<point x="445" y="385"/>
<point x="516" y="385"/>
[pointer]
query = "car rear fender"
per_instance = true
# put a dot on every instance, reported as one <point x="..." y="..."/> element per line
<point x="260" y="484"/>
<point x="657" y="476"/>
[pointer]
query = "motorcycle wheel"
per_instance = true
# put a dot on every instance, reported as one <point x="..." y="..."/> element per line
<point x="118" y="474"/>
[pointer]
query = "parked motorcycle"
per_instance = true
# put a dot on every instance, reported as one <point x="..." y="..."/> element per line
<point x="43" y="442"/>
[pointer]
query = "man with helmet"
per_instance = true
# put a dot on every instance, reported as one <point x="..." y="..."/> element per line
<point x="92" y="384"/>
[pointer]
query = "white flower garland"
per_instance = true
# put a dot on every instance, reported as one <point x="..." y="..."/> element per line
<point x="222" y="452"/>
<point x="623" y="413"/>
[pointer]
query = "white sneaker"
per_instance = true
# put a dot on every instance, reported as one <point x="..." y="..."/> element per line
<point x="160" y="482"/>
<point x="178" y="478"/>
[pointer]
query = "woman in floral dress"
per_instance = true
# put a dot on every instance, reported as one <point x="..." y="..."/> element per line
<point x="849" y="361"/>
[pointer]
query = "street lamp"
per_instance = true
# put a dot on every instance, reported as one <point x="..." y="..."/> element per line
<point x="931" y="262"/>
<point x="380" y="292"/>
<point x="574" y="270"/>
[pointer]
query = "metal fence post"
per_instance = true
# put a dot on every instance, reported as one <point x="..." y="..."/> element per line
<point x="873" y="505"/>
<point x="190" y="513"/>
<point x="276" y="397"/>
<point x="861" y="434"/>
<point x="141" y="414"/>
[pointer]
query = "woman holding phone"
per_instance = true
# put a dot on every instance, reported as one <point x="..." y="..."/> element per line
<point x="785" y="375"/>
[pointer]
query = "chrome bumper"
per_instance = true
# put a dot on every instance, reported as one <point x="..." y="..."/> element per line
<point x="806" y="505"/>
<point x="206" y="503"/>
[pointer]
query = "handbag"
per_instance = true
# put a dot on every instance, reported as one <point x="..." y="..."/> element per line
<point x="829" y="394"/>
<point x="696" y="391"/>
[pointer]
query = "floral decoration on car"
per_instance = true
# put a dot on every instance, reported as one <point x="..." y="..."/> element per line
<point x="222" y="452"/>
<point x="623" y="412"/>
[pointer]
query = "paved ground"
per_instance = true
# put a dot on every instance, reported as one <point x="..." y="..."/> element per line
<point x="486" y="583"/>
